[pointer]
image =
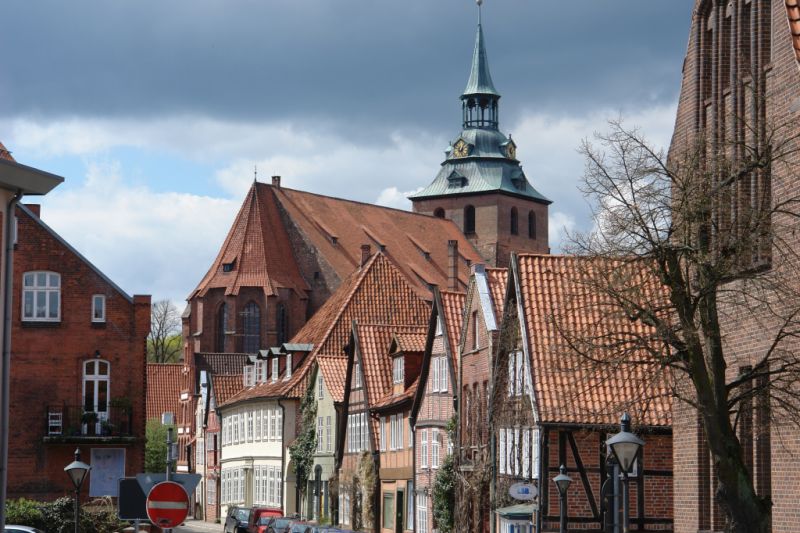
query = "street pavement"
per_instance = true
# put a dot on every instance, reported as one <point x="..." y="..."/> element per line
<point x="198" y="526"/>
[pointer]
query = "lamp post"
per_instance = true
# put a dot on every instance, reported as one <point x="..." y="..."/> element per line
<point x="562" y="481"/>
<point x="625" y="446"/>
<point x="77" y="471"/>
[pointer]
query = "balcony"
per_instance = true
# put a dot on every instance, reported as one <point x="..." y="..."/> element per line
<point x="68" y="424"/>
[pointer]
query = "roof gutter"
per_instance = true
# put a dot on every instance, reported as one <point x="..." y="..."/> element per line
<point x="5" y="367"/>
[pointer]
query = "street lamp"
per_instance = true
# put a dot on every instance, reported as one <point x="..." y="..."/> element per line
<point x="625" y="446"/>
<point x="77" y="471"/>
<point x="563" y="481"/>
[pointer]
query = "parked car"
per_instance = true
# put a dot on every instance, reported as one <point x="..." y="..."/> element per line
<point x="261" y="518"/>
<point x="238" y="519"/>
<point x="301" y="527"/>
<point x="10" y="528"/>
<point x="281" y="525"/>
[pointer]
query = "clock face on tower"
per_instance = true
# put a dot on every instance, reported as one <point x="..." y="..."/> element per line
<point x="461" y="148"/>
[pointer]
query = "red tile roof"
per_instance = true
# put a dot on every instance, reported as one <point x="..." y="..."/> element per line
<point x="793" y="11"/>
<point x="258" y="248"/>
<point x="334" y="370"/>
<point x="376" y="292"/>
<point x="415" y="243"/>
<point x="559" y="305"/>
<point x="497" y="279"/>
<point x="390" y="399"/>
<point x="410" y="342"/>
<point x="163" y="389"/>
<point x="453" y="311"/>
<point x="5" y="154"/>
<point x="225" y="386"/>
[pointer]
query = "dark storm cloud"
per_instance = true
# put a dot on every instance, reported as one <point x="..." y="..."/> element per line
<point x="364" y="62"/>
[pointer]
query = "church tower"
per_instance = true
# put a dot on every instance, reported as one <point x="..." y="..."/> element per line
<point x="481" y="185"/>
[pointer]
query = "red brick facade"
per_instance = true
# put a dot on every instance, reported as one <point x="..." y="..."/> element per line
<point x="765" y="57"/>
<point x="61" y="351"/>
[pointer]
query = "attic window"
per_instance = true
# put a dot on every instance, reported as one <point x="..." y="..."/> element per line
<point x="456" y="180"/>
<point x="334" y="240"/>
<point x="228" y="267"/>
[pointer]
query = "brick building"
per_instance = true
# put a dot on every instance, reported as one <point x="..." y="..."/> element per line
<point x="550" y="406"/>
<point x="434" y="403"/>
<point x="67" y="315"/>
<point x="481" y="185"/>
<point x="741" y="77"/>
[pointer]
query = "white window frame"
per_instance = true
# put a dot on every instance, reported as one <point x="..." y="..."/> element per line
<point x="422" y="512"/>
<point x="275" y="369"/>
<point x="328" y="433"/>
<point x="95" y="299"/>
<point x="357" y="384"/>
<point x="424" y="447"/>
<point x="503" y="459"/>
<point x="398" y="370"/>
<point x="320" y="433"/>
<point x="49" y="290"/>
<point x="288" y="366"/>
<point x="383" y="433"/>
<point x="435" y="448"/>
<point x="321" y="387"/>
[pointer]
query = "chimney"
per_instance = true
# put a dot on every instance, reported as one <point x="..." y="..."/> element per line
<point x="276" y="181"/>
<point x="366" y="253"/>
<point x="452" y="270"/>
<point x="36" y="209"/>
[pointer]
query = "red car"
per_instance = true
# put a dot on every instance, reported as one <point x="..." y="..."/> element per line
<point x="263" y="519"/>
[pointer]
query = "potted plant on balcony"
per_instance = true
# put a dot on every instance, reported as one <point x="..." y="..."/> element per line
<point x="90" y="419"/>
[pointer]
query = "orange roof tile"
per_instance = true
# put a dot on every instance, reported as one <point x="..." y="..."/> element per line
<point x="376" y="292"/>
<point x="225" y="386"/>
<point x="793" y="11"/>
<point x="410" y="342"/>
<point x="559" y="308"/>
<point x="258" y="248"/>
<point x="5" y="154"/>
<point x="415" y="243"/>
<point x="334" y="370"/>
<point x="497" y="278"/>
<point x="163" y="389"/>
<point x="390" y="399"/>
<point x="373" y="348"/>
<point x="453" y="318"/>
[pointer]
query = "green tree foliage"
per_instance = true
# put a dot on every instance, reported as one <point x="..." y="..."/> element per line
<point x="444" y="495"/>
<point x="164" y="340"/>
<point x="155" y="451"/>
<point x="98" y="516"/>
<point x="304" y="447"/>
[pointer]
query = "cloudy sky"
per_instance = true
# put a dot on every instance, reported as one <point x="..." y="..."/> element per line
<point x="157" y="112"/>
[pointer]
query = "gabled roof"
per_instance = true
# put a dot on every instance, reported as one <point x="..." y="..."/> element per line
<point x="375" y="292"/>
<point x="226" y="385"/>
<point x="453" y="319"/>
<point x="409" y="342"/>
<point x="163" y="389"/>
<point x="334" y="370"/>
<point x="497" y="279"/>
<point x="220" y="363"/>
<point x="558" y="307"/>
<point x="69" y="247"/>
<point x="257" y="251"/>
<point x="793" y="11"/>
<point x="416" y="244"/>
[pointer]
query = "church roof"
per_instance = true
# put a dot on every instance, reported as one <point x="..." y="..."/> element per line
<point x="480" y="80"/>
<point x="258" y="251"/>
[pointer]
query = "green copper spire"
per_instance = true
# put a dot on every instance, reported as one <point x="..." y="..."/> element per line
<point x="480" y="80"/>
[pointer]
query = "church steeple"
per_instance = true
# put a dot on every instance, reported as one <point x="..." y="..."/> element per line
<point x="479" y="99"/>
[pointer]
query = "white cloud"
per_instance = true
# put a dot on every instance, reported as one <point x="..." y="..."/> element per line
<point x="392" y="197"/>
<point x="147" y="242"/>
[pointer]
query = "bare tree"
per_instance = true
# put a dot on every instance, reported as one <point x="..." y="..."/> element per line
<point x="723" y="248"/>
<point x="164" y="341"/>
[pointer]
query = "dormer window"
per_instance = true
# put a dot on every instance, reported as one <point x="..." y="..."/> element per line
<point x="228" y="267"/>
<point x="357" y="376"/>
<point x="398" y="370"/>
<point x="249" y="376"/>
<point x="288" y="365"/>
<point x="456" y="180"/>
<point x="275" y="369"/>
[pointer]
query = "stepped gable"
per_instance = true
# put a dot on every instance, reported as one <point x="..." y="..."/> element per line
<point x="453" y="317"/>
<point x="793" y="11"/>
<point x="497" y="279"/>
<point x="334" y="373"/>
<point x="416" y="244"/>
<point x="568" y="388"/>
<point x="5" y="154"/>
<point x="257" y="249"/>
<point x="225" y="386"/>
<point x="163" y="389"/>
<point x="376" y="292"/>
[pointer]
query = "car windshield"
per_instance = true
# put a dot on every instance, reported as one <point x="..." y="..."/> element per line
<point x="282" y="522"/>
<point x="242" y="515"/>
<point x="264" y="520"/>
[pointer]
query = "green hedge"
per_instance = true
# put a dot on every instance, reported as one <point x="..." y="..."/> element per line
<point x="97" y="516"/>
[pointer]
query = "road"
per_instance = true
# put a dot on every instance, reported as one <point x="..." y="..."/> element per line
<point x="198" y="526"/>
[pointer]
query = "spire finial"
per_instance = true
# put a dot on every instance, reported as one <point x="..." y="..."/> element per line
<point x="255" y="173"/>
<point x="480" y="11"/>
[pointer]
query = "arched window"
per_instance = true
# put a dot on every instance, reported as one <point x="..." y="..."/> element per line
<point x="469" y="219"/>
<point x="438" y="212"/>
<point x="282" y="324"/>
<point x="514" y="221"/>
<point x="251" y="326"/>
<point x="96" y="384"/>
<point x="222" y="324"/>
<point x="531" y="224"/>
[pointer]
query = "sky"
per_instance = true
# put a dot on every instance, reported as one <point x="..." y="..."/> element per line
<point x="158" y="113"/>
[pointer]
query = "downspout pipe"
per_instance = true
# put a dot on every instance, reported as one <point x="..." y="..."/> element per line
<point x="283" y="458"/>
<point x="5" y="392"/>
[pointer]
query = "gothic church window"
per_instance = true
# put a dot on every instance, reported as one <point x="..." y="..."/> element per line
<point x="531" y="225"/>
<point x="514" y="221"/>
<point x="251" y="327"/>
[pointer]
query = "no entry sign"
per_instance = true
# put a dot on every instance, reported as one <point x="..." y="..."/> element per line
<point x="167" y="505"/>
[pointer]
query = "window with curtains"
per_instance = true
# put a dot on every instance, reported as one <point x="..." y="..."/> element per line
<point x="251" y="328"/>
